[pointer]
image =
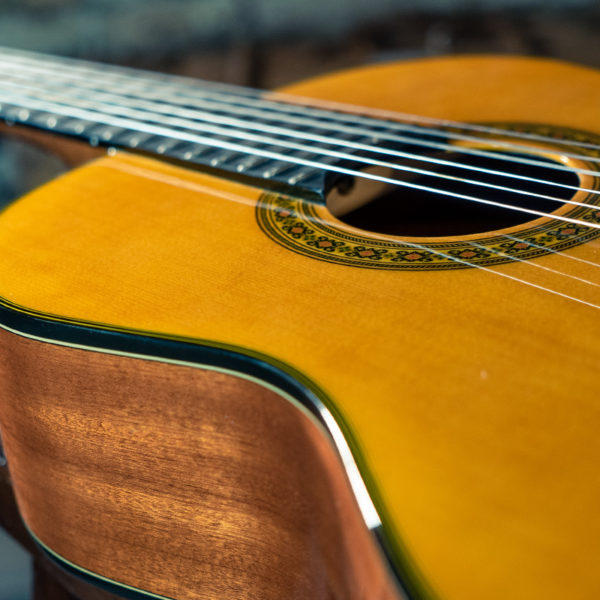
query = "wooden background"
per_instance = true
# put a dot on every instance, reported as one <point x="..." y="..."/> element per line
<point x="266" y="43"/>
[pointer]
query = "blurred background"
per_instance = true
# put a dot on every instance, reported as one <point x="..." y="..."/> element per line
<point x="267" y="43"/>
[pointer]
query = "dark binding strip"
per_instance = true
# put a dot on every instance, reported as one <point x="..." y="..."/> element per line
<point x="117" y="589"/>
<point x="159" y="347"/>
<point x="410" y="583"/>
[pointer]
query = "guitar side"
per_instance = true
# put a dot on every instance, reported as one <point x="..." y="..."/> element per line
<point x="468" y="397"/>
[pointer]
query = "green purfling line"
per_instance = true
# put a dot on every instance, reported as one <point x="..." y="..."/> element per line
<point x="88" y="573"/>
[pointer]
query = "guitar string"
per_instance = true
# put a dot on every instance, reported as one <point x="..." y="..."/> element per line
<point x="551" y="251"/>
<point x="546" y="268"/>
<point x="164" y="109"/>
<point x="567" y="255"/>
<point x="377" y="133"/>
<point x="511" y="277"/>
<point x="120" y="122"/>
<point x="513" y="258"/>
<point x="505" y="275"/>
<point x="560" y="185"/>
<point x="187" y="85"/>
<point x="509" y="256"/>
<point x="442" y="124"/>
<point x="128" y="72"/>
<point x="70" y="111"/>
<point x="559" y="253"/>
<point x="119" y="110"/>
<point x="557" y="184"/>
<point x="383" y="135"/>
<point x="517" y="279"/>
<point x="140" y="171"/>
<point x="537" y="265"/>
<point x="522" y="281"/>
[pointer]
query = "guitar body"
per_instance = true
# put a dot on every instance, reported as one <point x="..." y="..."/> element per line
<point x="172" y="341"/>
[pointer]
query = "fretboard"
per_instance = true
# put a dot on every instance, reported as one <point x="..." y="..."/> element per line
<point x="215" y="127"/>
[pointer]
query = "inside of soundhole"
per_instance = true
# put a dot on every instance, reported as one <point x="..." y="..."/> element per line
<point x="23" y="167"/>
<point x="405" y="211"/>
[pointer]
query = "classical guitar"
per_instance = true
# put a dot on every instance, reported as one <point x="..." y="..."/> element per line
<point x="305" y="343"/>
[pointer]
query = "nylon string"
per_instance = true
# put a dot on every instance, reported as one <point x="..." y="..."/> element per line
<point x="118" y="109"/>
<point x="147" y="81"/>
<point x="70" y="111"/>
<point x="160" y="108"/>
<point x="117" y="100"/>
<point x="153" y="175"/>
<point x="149" y="90"/>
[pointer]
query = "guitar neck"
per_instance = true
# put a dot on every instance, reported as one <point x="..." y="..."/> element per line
<point x="200" y="124"/>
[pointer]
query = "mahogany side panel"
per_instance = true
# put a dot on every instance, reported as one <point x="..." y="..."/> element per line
<point x="471" y="396"/>
<point x="50" y="581"/>
<point x="180" y="481"/>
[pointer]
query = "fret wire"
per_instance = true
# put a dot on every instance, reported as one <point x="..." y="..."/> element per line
<point x="120" y="102"/>
<point x="510" y="277"/>
<point x="381" y="150"/>
<point x="69" y="111"/>
<point x="293" y="101"/>
<point x="293" y="107"/>
<point x="119" y="110"/>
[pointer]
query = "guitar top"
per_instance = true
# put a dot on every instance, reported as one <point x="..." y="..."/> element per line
<point x="304" y="344"/>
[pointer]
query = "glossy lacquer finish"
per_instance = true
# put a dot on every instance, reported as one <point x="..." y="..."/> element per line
<point x="468" y="396"/>
<point x="186" y="482"/>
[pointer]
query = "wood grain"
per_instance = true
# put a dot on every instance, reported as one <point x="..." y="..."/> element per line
<point x="471" y="395"/>
<point x="50" y="582"/>
<point x="184" y="482"/>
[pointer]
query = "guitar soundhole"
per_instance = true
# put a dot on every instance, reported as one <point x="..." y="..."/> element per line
<point x="407" y="211"/>
<point x="542" y="189"/>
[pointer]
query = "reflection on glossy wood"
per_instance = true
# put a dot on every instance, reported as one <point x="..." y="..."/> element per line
<point x="49" y="581"/>
<point x="185" y="482"/>
<point x="471" y="396"/>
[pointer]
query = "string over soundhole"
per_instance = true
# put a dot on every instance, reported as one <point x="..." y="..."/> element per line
<point x="462" y="200"/>
<point x="494" y="208"/>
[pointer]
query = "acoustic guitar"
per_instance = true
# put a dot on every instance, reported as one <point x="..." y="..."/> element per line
<point x="305" y="343"/>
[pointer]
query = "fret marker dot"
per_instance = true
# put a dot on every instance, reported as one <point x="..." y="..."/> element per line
<point x="23" y="115"/>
